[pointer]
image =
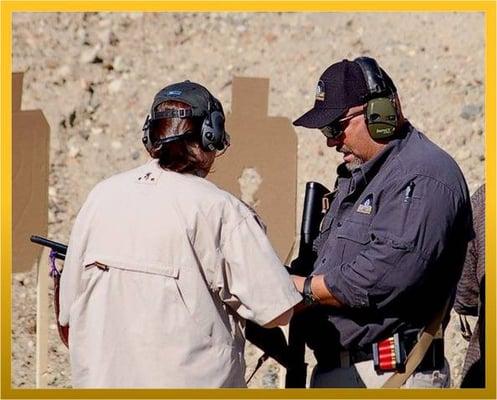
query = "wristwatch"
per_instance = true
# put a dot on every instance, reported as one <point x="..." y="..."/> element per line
<point x="309" y="298"/>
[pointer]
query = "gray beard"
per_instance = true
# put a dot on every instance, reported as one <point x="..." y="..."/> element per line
<point x="356" y="162"/>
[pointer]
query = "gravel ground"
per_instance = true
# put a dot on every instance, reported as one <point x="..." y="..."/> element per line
<point x="94" y="74"/>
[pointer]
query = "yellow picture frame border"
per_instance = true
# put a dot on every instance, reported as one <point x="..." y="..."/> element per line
<point x="10" y="7"/>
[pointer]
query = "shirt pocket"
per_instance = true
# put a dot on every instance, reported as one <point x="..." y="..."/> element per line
<point x="390" y="248"/>
<point x="352" y="238"/>
<point x="324" y="231"/>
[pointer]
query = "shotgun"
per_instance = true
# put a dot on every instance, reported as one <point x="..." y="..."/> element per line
<point x="314" y="209"/>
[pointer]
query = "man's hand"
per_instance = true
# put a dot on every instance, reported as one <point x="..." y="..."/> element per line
<point x="299" y="282"/>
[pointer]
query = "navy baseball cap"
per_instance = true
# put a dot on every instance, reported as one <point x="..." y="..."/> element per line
<point x="339" y="88"/>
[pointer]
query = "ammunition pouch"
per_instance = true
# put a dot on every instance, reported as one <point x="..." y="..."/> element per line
<point x="433" y="360"/>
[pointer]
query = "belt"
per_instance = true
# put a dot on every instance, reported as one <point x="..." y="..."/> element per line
<point x="351" y="357"/>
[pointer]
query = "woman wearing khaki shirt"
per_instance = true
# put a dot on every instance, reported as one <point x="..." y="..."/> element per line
<point x="163" y="266"/>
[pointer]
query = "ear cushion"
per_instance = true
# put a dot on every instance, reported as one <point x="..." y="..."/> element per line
<point x="381" y="117"/>
<point x="213" y="134"/>
<point x="147" y="142"/>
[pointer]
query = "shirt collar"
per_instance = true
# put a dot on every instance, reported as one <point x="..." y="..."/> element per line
<point x="369" y="169"/>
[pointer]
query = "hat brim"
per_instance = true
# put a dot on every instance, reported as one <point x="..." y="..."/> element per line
<point x="317" y="118"/>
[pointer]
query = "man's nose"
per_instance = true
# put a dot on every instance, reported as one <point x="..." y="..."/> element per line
<point x="332" y="142"/>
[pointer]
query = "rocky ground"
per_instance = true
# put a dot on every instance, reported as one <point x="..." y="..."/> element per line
<point x="94" y="75"/>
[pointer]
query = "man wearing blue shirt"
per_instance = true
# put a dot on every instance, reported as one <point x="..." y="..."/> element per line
<point x="393" y="241"/>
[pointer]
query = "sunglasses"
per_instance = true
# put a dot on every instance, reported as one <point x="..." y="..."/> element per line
<point x="336" y="128"/>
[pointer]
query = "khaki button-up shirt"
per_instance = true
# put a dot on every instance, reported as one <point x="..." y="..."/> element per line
<point x="161" y="270"/>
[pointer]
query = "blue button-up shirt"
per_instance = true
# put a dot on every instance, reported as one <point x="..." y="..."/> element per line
<point x="393" y="242"/>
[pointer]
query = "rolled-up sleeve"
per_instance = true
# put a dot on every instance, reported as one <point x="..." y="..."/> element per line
<point x="256" y="284"/>
<point x="415" y="219"/>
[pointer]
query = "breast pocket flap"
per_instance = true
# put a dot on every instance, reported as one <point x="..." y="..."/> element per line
<point x="355" y="234"/>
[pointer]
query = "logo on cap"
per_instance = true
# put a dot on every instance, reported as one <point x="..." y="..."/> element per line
<point x="320" y="91"/>
<point x="174" y="93"/>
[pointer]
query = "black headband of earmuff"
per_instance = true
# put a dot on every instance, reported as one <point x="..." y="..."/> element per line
<point x="212" y="135"/>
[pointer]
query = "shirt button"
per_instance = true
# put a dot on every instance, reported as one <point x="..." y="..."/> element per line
<point x="339" y="224"/>
<point x="323" y="260"/>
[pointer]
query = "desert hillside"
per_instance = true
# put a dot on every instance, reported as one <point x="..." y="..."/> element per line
<point x="94" y="75"/>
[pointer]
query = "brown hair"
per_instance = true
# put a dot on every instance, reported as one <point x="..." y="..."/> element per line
<point x="185" y="155"/>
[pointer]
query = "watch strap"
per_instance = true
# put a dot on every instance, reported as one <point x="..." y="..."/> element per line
<point x="309" y="297"/>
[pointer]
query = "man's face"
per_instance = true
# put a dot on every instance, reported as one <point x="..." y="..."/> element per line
<point x="354" y="143"/>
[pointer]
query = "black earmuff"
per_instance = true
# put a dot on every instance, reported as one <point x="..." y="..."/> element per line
<point x="382" y="118"/>
<point x="213" y="135"/>
<point x="146" y="140"/>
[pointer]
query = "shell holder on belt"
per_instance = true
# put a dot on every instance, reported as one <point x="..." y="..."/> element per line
<point x="389" y="355"/>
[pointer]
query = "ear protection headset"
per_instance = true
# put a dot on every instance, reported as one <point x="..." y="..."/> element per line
<point x="213" y="136"/>
<point x="212" y="133"/>
<point x="381" y="114"/>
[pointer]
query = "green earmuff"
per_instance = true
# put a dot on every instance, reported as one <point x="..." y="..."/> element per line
<point x="381" y="112"/>
<point x="381" y="117"/>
